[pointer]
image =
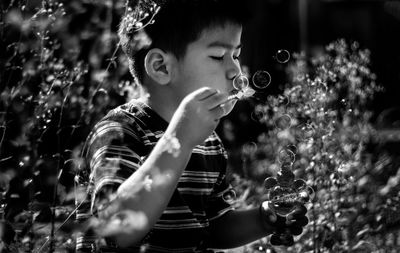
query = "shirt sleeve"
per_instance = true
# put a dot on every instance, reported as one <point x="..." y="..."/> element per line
<point x="112" y="155"/>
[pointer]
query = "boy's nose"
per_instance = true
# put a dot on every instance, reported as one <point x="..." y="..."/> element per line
<point x="233" y="70"/>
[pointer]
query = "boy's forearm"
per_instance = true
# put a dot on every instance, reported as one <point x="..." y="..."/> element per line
<point x="237" y="228"/>
<point x="150" y="188"/>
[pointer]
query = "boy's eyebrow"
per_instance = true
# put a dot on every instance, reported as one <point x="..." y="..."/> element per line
<point x="224" y="45"/>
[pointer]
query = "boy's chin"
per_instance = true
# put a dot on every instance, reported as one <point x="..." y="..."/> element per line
<point x="228" y="106"/>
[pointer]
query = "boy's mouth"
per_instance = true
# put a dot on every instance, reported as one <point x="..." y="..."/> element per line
<point x="233" y="95"/>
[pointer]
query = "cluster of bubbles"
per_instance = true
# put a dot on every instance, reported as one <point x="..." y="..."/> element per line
<point x="261" y="79"/>
<point x="284" y="191"/>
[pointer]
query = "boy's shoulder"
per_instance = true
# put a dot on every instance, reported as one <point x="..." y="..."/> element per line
<point x="132" y="109"/>
<point x="126" y="125"/>
<point x="134" y="112"/>
<point x="135" y="119"/>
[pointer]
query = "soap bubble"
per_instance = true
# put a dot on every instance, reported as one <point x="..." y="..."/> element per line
<point x="285" y="177"/>
<point x="311" y="192"/>
<point x="292" y="148"/>
<point x="249" y="148"/>
<point x="283" y="122"/>
<point x="261" y="79"/>
<point x="299" y="184"/>
<point x="282" y="56"/>
<point x="229" y="196"/>
<point x="240" y="82"/>
<point x="318" y="90"/>
<point x="288" y="165"/>
<point x="283" y="100"/>
<point x="304" y="132"/>
<point x="101" y="98"/>
<point x="286" y="156"/>
<point x="300" y="77"/>
<point x="318" y="87"/>
<point x="270" y="182"/>
<point x="259" y="114"/>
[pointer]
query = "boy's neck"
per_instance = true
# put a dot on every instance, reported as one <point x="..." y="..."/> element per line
<point x="160" y="103"/>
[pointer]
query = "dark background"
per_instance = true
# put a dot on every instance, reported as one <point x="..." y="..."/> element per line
<point x="309" y="25"/>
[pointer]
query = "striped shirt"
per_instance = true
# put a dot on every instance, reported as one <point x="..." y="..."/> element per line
<point x="118" y="145"/>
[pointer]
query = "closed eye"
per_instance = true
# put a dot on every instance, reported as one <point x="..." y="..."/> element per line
<point x="220" y="58"/>
<point x="217" y="58"/>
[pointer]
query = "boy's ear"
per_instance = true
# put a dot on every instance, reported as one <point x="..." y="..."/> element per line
<point x="158" y="65"/>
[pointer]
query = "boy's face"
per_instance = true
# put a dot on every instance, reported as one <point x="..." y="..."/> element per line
<point x="210" y="61"/>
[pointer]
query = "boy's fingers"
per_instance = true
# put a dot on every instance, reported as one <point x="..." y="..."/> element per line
<point x="296" y="230"/>
<point x="303" y="221"/>
<point x="297" y="217"/>
<point x="210" y="96"/>
<point x="300" y="222"/>
<point x="269" y="212"/>
<point x="204" y="93"/>
<point x="282" y="239"/>
<point x="275" y="240"/>
<point x="288" y="241"/>
<point x="215" y="100"/>
<point x="298" y="212"/>
<point x="219" y="112"/>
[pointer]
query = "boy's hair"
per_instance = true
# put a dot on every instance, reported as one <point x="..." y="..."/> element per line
<point x="176" y="24"/>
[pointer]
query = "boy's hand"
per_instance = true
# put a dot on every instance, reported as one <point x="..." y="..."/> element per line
<point x="198" y="115"/>
<point x="283" y="228"/>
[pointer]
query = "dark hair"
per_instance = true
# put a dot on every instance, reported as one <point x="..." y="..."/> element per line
<point x="177" y="23"/>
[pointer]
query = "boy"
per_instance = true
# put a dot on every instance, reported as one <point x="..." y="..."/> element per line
<point x="157" y="166"/>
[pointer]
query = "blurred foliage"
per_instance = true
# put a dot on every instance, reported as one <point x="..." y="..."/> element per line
<point x="61" y="71"/>
<point x="58" y="76"/>
<point x="322" y="116"/>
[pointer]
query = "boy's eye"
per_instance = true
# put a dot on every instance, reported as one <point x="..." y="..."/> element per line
<point x="220" y="58"/>
<point x="217" y="58"/>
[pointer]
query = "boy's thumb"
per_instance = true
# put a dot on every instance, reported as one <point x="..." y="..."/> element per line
<point x="269" y="211"/>
<point x="272" y="217"/>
